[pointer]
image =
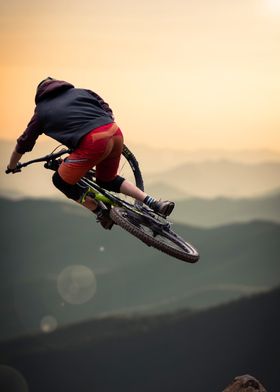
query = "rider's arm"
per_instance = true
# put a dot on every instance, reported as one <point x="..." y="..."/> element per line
<point x="28" y="139"/>
<point x="15" y="157"/>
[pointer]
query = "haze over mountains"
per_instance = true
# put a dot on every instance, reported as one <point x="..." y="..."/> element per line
<point x="220" y="178"/>
<point x="40" y="239"/>
<point x="173" y="174"/>
<point x="221" y="210"/>
<point x="207" y="193"/>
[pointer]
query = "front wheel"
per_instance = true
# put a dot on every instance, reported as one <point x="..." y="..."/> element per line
<point x="153" y="233"/>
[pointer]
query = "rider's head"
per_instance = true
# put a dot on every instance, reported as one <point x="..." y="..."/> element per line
<point x="47" y="80"/>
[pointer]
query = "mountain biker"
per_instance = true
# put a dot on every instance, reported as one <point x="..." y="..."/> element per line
<point x="81" y="120"/>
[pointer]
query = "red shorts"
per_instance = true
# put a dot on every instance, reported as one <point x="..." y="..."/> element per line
<point x="102" y="148"/>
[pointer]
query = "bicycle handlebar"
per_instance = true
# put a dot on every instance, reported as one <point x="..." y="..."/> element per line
<point x="46" y="158"/>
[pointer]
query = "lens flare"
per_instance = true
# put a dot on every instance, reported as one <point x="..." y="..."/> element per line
<point x="48" y="324"/>
<point x="12" y="380"/>
<point x="76" y="284"/>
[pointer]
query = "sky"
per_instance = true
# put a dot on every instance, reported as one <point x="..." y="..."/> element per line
<point x="200" y="74"/>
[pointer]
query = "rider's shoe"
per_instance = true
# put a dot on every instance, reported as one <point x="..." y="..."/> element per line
<point x="163" y="207"/>
<point x="103" y="217"/>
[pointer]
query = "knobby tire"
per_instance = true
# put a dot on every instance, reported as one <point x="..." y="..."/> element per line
<point x="167" y="241"/>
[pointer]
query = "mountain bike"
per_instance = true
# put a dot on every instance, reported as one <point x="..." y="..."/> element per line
<point x="133" y="216"/>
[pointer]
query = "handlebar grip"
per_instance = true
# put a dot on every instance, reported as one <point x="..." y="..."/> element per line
<point x="17" y="169"/>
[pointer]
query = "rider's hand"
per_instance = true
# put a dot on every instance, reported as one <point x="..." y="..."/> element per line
<point x="13" y="170"/>
<point x="14" y="165"/>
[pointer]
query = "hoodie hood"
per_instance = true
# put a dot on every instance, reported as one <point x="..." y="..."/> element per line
<point x="51" y="88"/>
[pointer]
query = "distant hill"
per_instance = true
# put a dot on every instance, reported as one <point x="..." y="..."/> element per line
<point x="194" y="352"/>
<point x="165" y="191"/>
<point x="40" y="239"/>
<point x="221" y="211"/>
<point x="155" y="159"/>
<point x="174" y="174"/>
<point x="221" y="178"/>
<point x="168" y="157"/>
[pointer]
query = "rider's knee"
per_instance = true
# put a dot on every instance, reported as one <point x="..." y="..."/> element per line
<point x="74" y="192"/>
<point x="113" y="185"/>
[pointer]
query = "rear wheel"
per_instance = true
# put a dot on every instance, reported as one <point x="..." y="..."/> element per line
<point x="130" y="159"/>
<point x="154" y="233"/>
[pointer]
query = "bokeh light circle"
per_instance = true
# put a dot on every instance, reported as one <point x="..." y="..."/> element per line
<point x="48" y="324"/>
<point x="76" y="284"/>
<point x="11" y="380"/>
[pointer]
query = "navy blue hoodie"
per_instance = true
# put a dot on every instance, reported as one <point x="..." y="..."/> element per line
<point x="64" y="113"/>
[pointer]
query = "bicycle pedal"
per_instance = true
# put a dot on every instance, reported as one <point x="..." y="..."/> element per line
<point x="104" y="219"/>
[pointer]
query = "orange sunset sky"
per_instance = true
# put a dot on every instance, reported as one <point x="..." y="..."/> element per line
<point x="179" y="74"/>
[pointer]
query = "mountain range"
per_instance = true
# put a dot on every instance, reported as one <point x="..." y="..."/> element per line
<point x="182" y="351"/>
<point x="41" y="239"/>
<point x="221" y="210"/>
<point x="219" y="178"/>
<point x="172" y="174"/>
<point x="157" y="159"/>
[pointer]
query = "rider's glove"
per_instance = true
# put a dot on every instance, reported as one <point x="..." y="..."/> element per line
<point x="15" y="170"/>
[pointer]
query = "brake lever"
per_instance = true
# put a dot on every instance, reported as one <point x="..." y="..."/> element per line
<point x="53" y="164"/>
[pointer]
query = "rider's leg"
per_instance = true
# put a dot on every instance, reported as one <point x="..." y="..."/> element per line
<point x="129" y="189"/>
<point x="76" y="193"/>
<point x="73" y="191"/>
<point x="93" y="148"/>
<point x="106" y="174"/>
<point x="106" y="171"/>
<point x="165" y="207"/>
<point x="102" y="148"/>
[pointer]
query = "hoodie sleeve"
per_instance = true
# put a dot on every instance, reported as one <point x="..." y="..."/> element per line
<point x="28" y="139"/>
<point x="104" y="105"/>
